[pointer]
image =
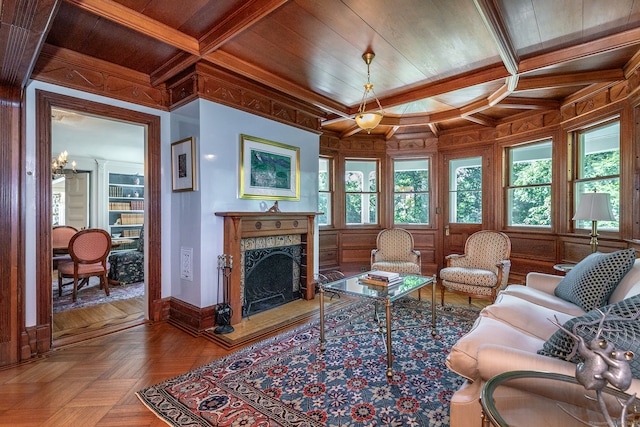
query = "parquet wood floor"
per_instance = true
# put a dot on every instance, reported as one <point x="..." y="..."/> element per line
<point x="92" y="383"/>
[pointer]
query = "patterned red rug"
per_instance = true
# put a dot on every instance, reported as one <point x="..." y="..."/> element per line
<point x="91" y="294"/>
<point x="288" y="381"/>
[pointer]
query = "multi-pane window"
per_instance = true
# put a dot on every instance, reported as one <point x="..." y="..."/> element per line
<point x="411" y="191"/>
<point x="465" y="190"/>
<point x="361" y="191"/>
<point x="598" y="166"/>
<point x="529" y="185"/>
<point x="324" y="191"/>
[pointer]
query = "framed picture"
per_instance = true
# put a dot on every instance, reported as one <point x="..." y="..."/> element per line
<point x="183" y="166"/>
<point x="269" y="170"/>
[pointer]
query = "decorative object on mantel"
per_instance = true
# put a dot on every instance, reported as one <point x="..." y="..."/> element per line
<point x="274" y="208"/>
<point x="223" y="311"/>
<point x="602" y="365"/>
<point x="594" y="207"/>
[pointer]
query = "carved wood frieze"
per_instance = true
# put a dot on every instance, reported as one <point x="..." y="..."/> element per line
<point x="66" y="69"/>
<point x="595" y="101"/>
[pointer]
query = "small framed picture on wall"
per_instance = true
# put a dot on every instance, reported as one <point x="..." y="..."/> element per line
<point x="183" y="166"/>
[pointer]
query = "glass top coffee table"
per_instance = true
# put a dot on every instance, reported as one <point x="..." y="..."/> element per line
<point x="379" y="294"/>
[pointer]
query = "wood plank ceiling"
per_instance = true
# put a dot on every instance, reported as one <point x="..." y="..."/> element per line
<point x="439" y="64"/>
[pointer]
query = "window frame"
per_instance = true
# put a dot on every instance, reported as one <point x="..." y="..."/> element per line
<point x="576" y="180"/>
<point x="507" y="184"/>
<point x="428" y="192"/>
<point x="330" y="192"/>
<point x="365" y="184"/>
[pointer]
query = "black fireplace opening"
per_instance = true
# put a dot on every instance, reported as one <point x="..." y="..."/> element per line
<point x="271" y="276"/>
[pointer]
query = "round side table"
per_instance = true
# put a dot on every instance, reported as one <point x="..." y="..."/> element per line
<point x="540" y="399"/>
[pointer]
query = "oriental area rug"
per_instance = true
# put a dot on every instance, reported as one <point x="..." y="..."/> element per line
<point x="287" y="381"/>
<point x="91" y="294"/>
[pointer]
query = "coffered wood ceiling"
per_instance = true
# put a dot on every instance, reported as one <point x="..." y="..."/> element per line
<point x="439" y="64"/>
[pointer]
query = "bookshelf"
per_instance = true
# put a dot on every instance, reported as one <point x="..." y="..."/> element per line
<point x="126" y="207"/>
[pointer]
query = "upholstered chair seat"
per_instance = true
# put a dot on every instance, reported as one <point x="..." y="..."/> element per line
<point x="482" y="270"/>
<point x="395" y="252"/>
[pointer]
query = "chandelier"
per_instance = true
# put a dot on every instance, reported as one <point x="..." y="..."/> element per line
<point x="59" y="163"/>
<point x="368" y="120"/>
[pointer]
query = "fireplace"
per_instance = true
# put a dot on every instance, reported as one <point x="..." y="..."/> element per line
<point x="271" y="278"/>
<point x="254" y="238"/>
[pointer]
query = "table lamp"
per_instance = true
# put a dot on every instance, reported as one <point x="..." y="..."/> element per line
<point x="594" y="207"/>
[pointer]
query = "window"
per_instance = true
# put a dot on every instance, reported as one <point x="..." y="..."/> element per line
<point x="529" y="185"/>
<point x="598" y="167"/>
<point x="324" y="191"/>
<point x="411" y="191"/>
<point x="465" y="190"/>
<point x="361" y="188"/>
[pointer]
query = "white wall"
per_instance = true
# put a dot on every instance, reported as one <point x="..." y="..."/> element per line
<point x="217" y="129"/>
<point x="188" y="218"/>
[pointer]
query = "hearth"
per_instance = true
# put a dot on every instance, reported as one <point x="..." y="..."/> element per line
<point x="272" y="278"/>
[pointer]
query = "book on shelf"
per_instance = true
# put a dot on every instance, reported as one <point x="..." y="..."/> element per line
<point x="383" y="276"/>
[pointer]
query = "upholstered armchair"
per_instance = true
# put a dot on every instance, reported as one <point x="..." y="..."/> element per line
<point x="128" y="266"/>
<point x="394" y="252"/>
<point x="483" y="270"/>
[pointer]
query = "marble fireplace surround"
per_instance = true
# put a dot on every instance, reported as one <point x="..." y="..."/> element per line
<point x="250" y="225"/>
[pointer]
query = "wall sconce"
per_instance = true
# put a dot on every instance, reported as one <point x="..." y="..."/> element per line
<point x="594" y="207"/>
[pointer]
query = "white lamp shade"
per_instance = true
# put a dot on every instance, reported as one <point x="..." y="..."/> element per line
<point x="368" y="120"/>
<point x="594" y="207"/>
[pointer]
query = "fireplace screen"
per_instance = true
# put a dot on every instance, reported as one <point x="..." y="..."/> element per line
<point x="272" y="278"/>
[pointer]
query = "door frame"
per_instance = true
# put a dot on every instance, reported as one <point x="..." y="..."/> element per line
<point x="45" y="101"/>
<point x="454" y="235"/>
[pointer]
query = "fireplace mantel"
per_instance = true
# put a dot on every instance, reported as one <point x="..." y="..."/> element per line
<point x="242" y="225"/>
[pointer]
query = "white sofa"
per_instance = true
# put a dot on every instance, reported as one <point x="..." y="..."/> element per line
<point x="507" y="335"/>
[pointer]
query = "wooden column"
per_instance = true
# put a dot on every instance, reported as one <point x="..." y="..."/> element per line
<point x="242" y="225"/>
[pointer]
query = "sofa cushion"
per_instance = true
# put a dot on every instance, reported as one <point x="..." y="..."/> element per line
<point x="529" y="318"/>
<point x="629" y="285"/>
<point x="590" y="283"/>
<point x="544" y="299"/>
<point x="463" y="358"/>
<point x="623" y="334"/>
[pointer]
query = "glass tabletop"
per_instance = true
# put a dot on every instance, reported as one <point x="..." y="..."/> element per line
<point x="353" y="286"/>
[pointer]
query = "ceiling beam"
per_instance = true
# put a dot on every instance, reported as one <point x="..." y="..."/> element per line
<point x="530" y="103"/>
<point x="582" y="50"/>
<point x="241" y="18"/>
<point x="435" y="129"/>
<point x="485" y="75"/>
<point x="569" y="79"/>
<point x="480" y="119"/>
<point x="494" y="23"/>
<point x="136" y="21"/>
<point x="172" y="67"/>
<point x="229" y="62"/>
<point x="350" y="131"/>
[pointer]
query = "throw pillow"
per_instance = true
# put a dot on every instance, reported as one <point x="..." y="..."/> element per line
<point x="623" y="334"/>
<point x="590" y="283"/>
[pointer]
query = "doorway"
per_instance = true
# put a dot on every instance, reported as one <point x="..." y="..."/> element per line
<point x="91" y="156"/>
<point x="47" y="106"/>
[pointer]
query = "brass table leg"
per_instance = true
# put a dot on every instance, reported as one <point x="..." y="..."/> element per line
<point x="322" y="346"/>
<point x="387" y="306"/>
<point x="434" y="285"/>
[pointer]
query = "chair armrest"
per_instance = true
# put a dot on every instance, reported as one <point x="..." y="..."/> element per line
<point x="455" y="260"/>
<point x="374" y="254"/>
<point x="543" y="282"/>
